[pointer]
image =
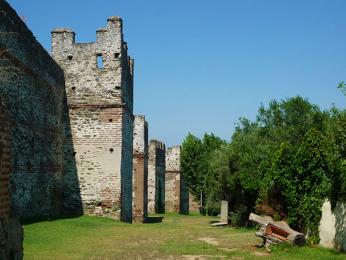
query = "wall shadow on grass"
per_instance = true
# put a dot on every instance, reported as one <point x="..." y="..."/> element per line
<point x="152" y="220"/>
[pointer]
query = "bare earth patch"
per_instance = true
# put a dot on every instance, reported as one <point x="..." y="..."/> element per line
<point x="260" y="253"/>
<point x="209" y="240"/>
<point x="201" y="257"/>
<point x="230" y="249"/>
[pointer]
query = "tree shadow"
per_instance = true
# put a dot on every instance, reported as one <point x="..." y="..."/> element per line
<point x="340" y="226"/>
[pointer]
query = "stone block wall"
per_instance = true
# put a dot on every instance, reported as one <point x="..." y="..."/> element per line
<point x="140" y="170"/>
<point x="99" y="85"/>
<point x="11" y="233"/>
<point x="156" y="177"/>
<point x="32" y="88"/>
<point x="177" y="193"/>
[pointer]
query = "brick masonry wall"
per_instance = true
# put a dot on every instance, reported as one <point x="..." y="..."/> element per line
<point x="177" y="194"/>
<point x="11" y="233"/>
<point x="140" y="170"/>
<point x="156" y="177"/>
<point x="98" y="158"/>
<point x="32" y="88"/>
<point x="100" y="101"/>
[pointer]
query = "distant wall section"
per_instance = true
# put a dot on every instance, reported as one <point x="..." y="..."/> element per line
<point x="177" y="193"/>
<point x="156" y="177"/>
<point x="140" y="170"/>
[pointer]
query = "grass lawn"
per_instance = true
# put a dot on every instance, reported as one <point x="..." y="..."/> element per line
<point x="177" y="237"/>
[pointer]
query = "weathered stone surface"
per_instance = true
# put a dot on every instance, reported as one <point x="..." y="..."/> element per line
<point x="224" y="211"/>
<point x="177" y="193"/>
<point x="32" y="88"/>
<point x="11" y="233"/>
<point x="99" y="85"/>
<point x="140" y="170"/>
<point x="333" y="226"/>
<point x="156" y="177"/>
<point x="11" y="238"/>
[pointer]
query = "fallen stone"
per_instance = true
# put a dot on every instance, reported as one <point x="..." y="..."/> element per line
<point x="219" y="224"/>
<point x="275" y="232"/>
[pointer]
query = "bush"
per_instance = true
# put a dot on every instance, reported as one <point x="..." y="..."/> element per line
<point x="240" y="216"/>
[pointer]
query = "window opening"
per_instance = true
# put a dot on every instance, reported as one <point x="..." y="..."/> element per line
<point x="100" y="64"/>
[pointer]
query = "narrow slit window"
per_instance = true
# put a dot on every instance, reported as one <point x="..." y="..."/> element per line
<point x="100" y="61"/>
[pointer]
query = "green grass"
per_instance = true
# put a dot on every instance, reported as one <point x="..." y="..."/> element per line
<point x="177" y="237"/>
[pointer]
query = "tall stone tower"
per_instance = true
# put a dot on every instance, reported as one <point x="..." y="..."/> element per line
<point x="156" y="177"/>
<point x="99" y="86"/>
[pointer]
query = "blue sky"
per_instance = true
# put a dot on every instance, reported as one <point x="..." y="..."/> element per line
<point x="200" y="65"/>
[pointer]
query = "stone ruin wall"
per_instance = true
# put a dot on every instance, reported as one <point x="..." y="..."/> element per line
<point x="333" y="226"/>
<point x="156" y="177"/>
<point x="140" y="170"/>
<point x="11" y="233"/>
<point x="51" y="142"/>
<point x="173" y="179"/>
<point x="177" y="193"/>
<point x="100" y="101"/>
<point x="32" y="89"/>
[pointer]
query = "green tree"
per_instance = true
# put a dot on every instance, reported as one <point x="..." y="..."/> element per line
<point x="342" y="87"/>
<point x="195" y="162"/>
<point x="284" y="164"/>
<point x="337" y="126"/>
<point x="302" y="174"/>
